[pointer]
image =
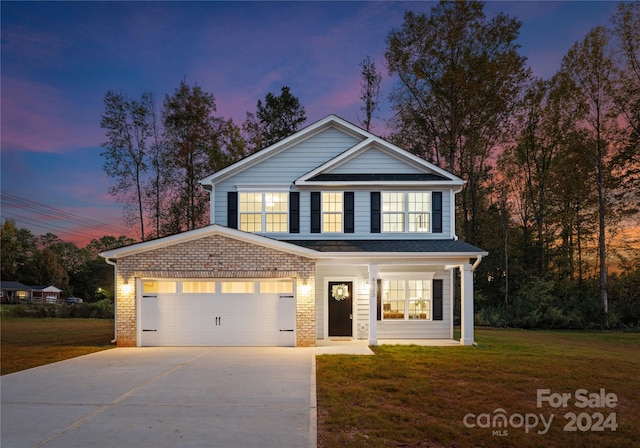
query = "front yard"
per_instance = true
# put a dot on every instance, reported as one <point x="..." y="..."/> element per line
<point x="30" y="342"/>
<point x="409" y="396"/>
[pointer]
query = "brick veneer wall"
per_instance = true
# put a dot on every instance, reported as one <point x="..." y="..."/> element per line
<point x="216" y="257"/>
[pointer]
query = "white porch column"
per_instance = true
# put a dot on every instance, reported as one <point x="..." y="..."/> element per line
<point x="373" y="304"/>
<point x="466" y="302"/>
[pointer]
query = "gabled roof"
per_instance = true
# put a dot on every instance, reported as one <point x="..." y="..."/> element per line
<point x="276" y="148"/>
<point x="203" y="232"/>
<point x="14" y="286"/>
<point x="421" y="172"/>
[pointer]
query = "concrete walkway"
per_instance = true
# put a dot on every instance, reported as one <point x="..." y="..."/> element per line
<point x="165" y="397"/>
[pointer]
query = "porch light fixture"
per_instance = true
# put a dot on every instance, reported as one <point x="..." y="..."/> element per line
<point x="305" y="288"/>
<point x="126" y="287"/>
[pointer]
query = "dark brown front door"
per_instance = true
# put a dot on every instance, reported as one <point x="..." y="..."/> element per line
<point x="340" y="308"/>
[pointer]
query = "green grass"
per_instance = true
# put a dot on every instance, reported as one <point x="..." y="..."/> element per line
<point x="28" y="342"/>
<point x="418" y="396"/>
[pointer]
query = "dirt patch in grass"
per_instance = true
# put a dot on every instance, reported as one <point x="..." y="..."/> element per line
<point x="410" y="396"/>
<point x="28" y="343"/>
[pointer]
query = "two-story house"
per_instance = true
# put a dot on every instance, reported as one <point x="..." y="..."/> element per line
<point x="329" y="233"/>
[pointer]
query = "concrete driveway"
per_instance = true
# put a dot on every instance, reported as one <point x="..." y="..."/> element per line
<point x="165" y="397"/>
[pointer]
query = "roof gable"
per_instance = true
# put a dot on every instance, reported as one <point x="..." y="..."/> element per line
<point x="376" y="161"/>
<point x="316" y="128"/>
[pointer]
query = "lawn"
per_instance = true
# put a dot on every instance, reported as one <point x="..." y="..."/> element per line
<point x="27" y="342"/>
<point x="409" y="396"/>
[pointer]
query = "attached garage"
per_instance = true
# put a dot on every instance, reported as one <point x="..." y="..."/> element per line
<point x="209" y="312"/>
<point x="214" y="286"/>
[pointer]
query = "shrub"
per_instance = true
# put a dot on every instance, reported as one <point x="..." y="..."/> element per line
<point x="102" y="309"/>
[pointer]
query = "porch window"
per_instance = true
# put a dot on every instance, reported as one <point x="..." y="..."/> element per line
<point x="264" y="212"/>
<point x="406" y="212"/>
<point x="406" y="299"/>
<point x="332" y="212"/>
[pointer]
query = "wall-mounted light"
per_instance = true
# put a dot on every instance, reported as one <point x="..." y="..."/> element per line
<point x="126" y="287"/>
<point x="305" y="288"/>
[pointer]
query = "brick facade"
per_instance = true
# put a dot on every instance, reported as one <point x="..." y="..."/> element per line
<point x="215" y="257"/>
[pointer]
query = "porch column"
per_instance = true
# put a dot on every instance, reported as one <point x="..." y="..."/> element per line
<point x="373" y="304"/>
<point x="466" y="302"/>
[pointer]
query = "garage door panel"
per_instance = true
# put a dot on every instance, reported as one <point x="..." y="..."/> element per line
<point x="208" y="319"/>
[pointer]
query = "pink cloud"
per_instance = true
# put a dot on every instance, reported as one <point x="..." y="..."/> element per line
<point x="38" y="118"/>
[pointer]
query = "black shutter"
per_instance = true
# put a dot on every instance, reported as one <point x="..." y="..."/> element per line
<point x="436" y="209"/>
<point x="437" y="300"/>
<point x="349" y="212"/>
<point x="294" y="212"/>
<point x="232" y="209"/>
<point x="375" y="212"/>
<point x="315" y="212"/>
<point x="379" y="299"/>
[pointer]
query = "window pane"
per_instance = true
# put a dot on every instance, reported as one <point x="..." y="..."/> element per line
<point x="419" y="299"/>
<point x="392" y="202"/>
<point x="276" y="222"/>
<point x="276" y="202"/>
<point x="393" y="301"/>
<point x="331" y="222"/>
<point x="250" y="202"/>
<point x="393" y="222"/>
<point x="237" y="287"/>
<point x="332" y="202"/>
<point x="251" y="222"/>
<point x="419" y="202"/>
<point x="198" y="287"/>
<point x="419" y="222"/>
<point x="155" y="286"/>
<point x="275" y="287"/>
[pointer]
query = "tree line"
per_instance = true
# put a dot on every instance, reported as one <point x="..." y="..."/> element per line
<point x="37" y="260"/>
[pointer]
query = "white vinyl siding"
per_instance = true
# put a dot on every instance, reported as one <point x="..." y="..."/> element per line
<point x="285" y="167"/>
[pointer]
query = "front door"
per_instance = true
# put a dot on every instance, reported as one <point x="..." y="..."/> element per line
<point x="340" y="308"/>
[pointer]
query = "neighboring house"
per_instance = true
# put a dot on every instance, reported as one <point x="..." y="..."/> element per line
<point x="14" y="292"/>
<point x="46" y="294"/>
<point x="329" y="233"/>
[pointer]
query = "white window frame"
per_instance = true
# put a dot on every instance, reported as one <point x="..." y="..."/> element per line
<point x="263" y="210"/>
<point x="324" y="212"/>
<point x="406" y="213"/>
<point x="422" y="277"/>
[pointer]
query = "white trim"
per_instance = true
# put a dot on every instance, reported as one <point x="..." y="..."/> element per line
<point x="262" y="188"/>
<point x="210" y="230"/>
<point x="390" y="150"/>
<point x="309" y="131"/>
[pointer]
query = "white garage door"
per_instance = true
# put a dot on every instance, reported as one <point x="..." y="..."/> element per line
<point x="217" y="313"/>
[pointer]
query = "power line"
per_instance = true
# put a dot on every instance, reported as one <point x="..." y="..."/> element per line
<point x="58" y="214"/>
<point x="64" y="220"/>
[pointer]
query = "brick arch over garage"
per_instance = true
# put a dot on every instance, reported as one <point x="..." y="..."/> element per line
<point x="215" y="257"/>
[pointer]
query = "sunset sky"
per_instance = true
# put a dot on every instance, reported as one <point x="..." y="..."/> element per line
<point x="59" y="59"/>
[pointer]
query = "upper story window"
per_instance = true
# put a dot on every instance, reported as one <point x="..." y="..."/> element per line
<point x="406" y="212"/>
<point x="332" y="212"/>
<point x="264" y="212"/>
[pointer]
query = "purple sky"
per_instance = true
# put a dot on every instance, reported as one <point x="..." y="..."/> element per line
<point x="59" y="59"/>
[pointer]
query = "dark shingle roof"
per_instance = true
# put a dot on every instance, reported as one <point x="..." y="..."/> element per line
<point x="434" y="246"/>
<point x="372" y="177"/>
<point x="14" y="286"/>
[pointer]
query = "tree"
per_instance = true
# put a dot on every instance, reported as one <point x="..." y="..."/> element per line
<point x="278" y="117"/>
<point x="128" y="128"/>
<point x="190" y="138"/>
<point x="460" y="78"/>
<point x="18" y="246"/>
<point x="369" y="90"/>
<point x="590" y="68"/>
<point x="108" y="242"/>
